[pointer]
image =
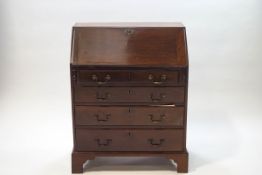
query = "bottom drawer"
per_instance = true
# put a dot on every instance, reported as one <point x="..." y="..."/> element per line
<point x="129" y="139"/>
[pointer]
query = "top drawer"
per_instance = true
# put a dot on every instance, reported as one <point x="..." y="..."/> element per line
<point x="135" y="78"/>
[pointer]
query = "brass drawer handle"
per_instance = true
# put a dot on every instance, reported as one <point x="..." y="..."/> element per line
<point x="163" y="78"/>
<point x="106" y="79"/>
<point x="156" y="143"/>
<point x="99" y="119"/>
<point x="129" y="31"/>
<point x="94" y="77"/>
<point x="157" y="99"/>
<point x="103" y="97"/>
<point x="160" y="119"/>
<point x="105" y="142"/>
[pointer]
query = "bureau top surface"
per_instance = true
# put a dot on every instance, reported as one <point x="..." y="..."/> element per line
<point x="129" y="44"/>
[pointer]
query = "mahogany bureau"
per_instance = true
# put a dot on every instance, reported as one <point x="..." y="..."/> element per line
<point x="129" y="86"/>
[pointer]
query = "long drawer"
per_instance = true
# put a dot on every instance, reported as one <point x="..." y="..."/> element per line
<point x="129" y="140"/>
<point x="166" y="115"/>
<point x="129" y="94"/>
<point x="125" y="77"/>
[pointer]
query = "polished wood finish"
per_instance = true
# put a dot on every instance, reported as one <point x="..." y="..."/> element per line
<point x="157" y="77"/>
<point x="129" y="139"/>
<point x="150" y="116"/>
<point x="129" y="91"/>
<point x="115" y="46"/>
<point x="128" y="94"/>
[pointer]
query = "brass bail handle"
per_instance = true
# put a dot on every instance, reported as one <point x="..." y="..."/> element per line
<point x="104" y="142"/>
<point x="102" y="96"/>
<point x="156" y="142"/>
<point x="106" y="79"/>
<point x="163" y="78"/>
<point x="102" y="119"/>
<point x="157" y="120"/>
<point x="129" y="31"/>
<point x="158" y="98"/>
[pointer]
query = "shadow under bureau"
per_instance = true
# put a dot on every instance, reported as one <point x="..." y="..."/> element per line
<point x="129" y="86"/>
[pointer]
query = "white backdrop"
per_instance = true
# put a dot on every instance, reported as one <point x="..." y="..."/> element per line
<point x="224" y="118"/>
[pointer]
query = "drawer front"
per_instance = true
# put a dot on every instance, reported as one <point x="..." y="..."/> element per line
<point x="98" y="78"/>
<point x="136" y="78"/>
<point x="158" y="78"/>
<point x="129" y="140"/>
<point x="129" y="116"/>
<point x="126" y="94"/>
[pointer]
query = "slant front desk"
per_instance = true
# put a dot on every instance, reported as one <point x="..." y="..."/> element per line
<point x="129" y="86"/>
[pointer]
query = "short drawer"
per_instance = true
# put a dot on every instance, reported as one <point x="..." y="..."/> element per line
<point x="129" y="140"/>
<point x="99" y="78"/>
<point x="129" y="94"/>
<point x="158" y="78"/>
<point x="166" y="115"/>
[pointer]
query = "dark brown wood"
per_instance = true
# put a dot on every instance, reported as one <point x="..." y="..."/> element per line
<point x="181" y="161"/>
<point x="78" y="159"/>
<point x="129" y="86"/>
<point x="132" y="46"/>
<point x="130" y="94"/>
<point x="180" y="158"/>
<point x="129" y="140"/>
<point x="153" y="116"/>
<point x="128" y="78"/>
